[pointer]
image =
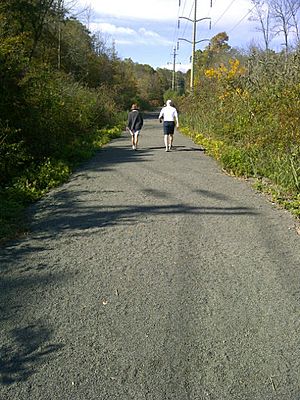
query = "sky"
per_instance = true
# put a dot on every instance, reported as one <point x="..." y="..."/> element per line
<point x="147" y="30"/>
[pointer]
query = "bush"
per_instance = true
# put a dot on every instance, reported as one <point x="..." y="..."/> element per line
<point x="255" y="113"/>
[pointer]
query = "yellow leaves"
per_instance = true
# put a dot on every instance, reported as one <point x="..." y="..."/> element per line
<point x="224" y="95"/>
<point x="211" y="73"/>
<point x="233" y="70"/>
<point x="242" y="93"/>
<point x="239" y="92"/>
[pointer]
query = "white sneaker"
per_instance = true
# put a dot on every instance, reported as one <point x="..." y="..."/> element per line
<point x="133" y="147"/>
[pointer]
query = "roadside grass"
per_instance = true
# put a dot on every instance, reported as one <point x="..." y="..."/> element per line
<point x="241" y="162"/>
<point x="37" y="180"/>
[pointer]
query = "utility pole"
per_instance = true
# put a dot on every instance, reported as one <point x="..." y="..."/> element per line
<point x="194" y="42"/>
<point x="174" y="65"/>
<point x="193" y="46"/>
<point x="173" y="69"/>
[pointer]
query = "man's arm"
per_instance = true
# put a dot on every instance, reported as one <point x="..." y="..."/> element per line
<point x="161" y="114"/>
<point x="176" y="118"/>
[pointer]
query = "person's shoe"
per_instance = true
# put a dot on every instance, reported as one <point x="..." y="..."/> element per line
<point x="167" y="149"/>
<point x="133" y="147"/>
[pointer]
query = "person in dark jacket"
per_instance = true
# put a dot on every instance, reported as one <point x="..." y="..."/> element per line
<point x="134" y="125"/>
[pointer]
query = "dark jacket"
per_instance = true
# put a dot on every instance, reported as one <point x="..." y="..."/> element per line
<point x="135" y="120"/>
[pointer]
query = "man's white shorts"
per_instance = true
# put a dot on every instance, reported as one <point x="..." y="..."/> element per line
<point x="136" y="133"/>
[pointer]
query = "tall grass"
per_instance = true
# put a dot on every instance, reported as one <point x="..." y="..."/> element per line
<point x="247" y="116"/>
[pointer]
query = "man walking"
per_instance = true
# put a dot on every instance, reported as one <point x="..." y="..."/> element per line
<point x="170" y="116"/>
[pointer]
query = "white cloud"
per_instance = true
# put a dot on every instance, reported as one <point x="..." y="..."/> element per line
<point x="111" y="29"/>
<point x="144" y="32"/>
<point x="120" y="34"/>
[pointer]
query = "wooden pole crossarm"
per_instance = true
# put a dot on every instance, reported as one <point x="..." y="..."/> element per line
<point x="197" y="20"/>
<point x="203" y="40"/>
<point x="189" y="41"/>
<point x="202" y="19"/>
<point x="189" y="19"/>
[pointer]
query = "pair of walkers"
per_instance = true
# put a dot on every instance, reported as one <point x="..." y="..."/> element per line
<point x="168" y="115"/>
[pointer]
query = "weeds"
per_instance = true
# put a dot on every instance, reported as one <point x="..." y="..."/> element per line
<point x="38" y="179"/>
<point x="248" y="119"/>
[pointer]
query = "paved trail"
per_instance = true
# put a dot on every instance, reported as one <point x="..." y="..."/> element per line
<point x="152" y="275"/>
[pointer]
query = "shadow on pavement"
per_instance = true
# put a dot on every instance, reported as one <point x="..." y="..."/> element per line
<point x="184" y="148"/>
<point x="28" y="348"/>
<point x="74" y="217"/>
<point x="24" y="348"/>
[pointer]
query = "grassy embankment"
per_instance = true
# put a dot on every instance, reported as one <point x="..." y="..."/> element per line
<point x="249" y="122"/>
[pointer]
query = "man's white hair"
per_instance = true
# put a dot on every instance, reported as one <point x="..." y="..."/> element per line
<point x="169" y="102"/>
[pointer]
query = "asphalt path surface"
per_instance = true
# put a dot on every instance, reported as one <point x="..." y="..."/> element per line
<point x="152" y="275"/>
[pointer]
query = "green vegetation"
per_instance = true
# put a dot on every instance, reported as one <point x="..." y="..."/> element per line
<point x="245" y="112"/>
<point x="63" y="94"/>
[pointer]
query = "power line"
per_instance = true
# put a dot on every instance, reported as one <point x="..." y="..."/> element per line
<point x="176" y="29"/>
<point x="176" y="26"/>
<point x="241" y="20"/>
<point x="184" y="6"/>
<point x="223" y="13"/>
<point x="186" y="24"/>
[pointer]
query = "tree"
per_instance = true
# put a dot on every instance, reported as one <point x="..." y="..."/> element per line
<point x="261" y="13"/>
<point x="294" y="6"/>
<point x="282" y="15"/>
<point x="218" y="43"/>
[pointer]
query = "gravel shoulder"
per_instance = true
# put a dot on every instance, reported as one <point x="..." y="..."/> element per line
<point x="152" y="275"/>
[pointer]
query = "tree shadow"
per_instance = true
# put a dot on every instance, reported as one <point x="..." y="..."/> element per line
<point x="81" y="218"/>
<point x="108" y="156"/>
<point x="24" y="348"/>
<point x="185" y="148"/>
<point x="15" y="289"/>
<point x="29" y="347"/>
<point x="212" y="195"/>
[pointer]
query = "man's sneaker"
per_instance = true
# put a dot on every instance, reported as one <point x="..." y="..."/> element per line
<point x="133" y="147"/>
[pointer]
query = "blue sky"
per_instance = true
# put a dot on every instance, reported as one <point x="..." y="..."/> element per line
<point x="147" y="30"/>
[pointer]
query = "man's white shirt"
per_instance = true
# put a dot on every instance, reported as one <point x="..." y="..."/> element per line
<point x="168" y="113"/>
